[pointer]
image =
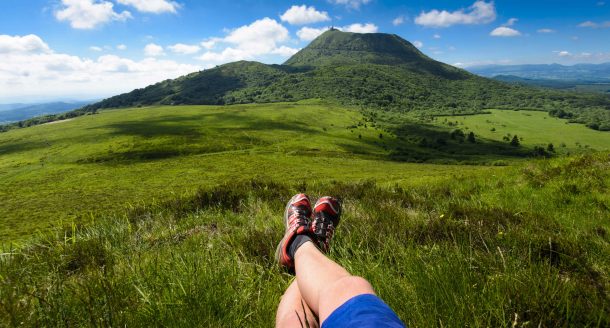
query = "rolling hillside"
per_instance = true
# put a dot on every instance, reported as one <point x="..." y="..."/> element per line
<point x="169" y="215"/>
<point x="372" y="71"/>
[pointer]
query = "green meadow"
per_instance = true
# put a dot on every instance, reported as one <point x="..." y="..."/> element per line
<point x="536" y="128"/>
<point x="169" y="216"/>
<point x="66" y="171"/>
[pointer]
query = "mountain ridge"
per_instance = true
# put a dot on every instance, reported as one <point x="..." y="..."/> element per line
<point x="368" y="71"/>
<point x="576" y="72"/>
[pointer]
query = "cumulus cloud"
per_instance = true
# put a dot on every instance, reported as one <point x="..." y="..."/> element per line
<point x="22" y="44"/>
<point x="504" y="31"/>
<point x="95" y="48"/>
<point x="360" y="28"/>
<point x="248" y="42"/>
<point x="398" y="20"/>
<point x="354" y="4"/>
<point x="152" y="6"/>
<point x="184" y="49"/>
<point x="564" y="53"/>
<point x="299" y="15"/>
<point x="511" y="22"/>
<point x="418" y="44"/>
<point x="153" y="50"/>
<point x="480" y="12"/>
<point x="30" y="68"/>
<point x="88" y="14"/>
<point x="592" y="24"/>
<point x="285" y="51"/>
<point x="436" y="36"/>
<point x="121" y="47"/>
<point x="546" y="30"/>
<point x="310" y="33"/>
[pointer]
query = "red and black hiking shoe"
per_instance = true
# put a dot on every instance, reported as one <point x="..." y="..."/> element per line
<point x="297" y="218"/>
<point x="326" y="216"/>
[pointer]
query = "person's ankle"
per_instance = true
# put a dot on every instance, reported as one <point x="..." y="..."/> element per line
<point x="298" y="241"/>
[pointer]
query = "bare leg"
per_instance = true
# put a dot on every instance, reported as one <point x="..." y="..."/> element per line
<point x="324" y="284"/>
<point x="293" y="311"/>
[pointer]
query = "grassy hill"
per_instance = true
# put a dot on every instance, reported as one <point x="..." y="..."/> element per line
<point x="65" y="171"/>
<point x="364" y="71"/>
<point x="525" y="246"/>
<point x="170" y="215"/>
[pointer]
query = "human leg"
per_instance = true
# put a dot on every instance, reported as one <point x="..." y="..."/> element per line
<point x="328" y="289"/>
<point x="324" y="284"/>
<point x="293" y="311"/>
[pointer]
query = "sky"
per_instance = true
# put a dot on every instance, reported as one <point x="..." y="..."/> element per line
<point x="90" y="49"/>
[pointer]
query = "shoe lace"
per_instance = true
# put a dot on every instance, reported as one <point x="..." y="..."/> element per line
<point x="298" y="218"/>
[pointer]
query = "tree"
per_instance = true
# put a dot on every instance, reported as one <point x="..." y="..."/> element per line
<point x="550" y="148"/>
<point x="471" y="138"/>
<point x="515" y="141"/>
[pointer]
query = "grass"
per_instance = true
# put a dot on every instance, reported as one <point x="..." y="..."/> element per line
<point x="65" y="171"/>
<point x="535" y="127"/>
<point x="169" y="216"/>
<point x="523" y="247"/>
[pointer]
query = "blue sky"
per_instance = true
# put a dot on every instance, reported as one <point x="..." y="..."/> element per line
<point x="61" y="49"/>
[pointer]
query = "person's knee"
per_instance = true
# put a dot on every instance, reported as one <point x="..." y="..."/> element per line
<point x="342" y="291"/>
<point x="352" y="285"/>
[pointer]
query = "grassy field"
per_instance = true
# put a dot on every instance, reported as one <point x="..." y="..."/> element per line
<point x="65" y="171"/>
<point x="169" y="216"/>
<point x="526" y="247"/>
<point x="536" y="128"/>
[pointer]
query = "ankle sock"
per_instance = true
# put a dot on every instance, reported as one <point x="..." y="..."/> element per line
<point x="298" y="241"/>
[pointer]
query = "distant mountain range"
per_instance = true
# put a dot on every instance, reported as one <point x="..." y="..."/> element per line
<point x="580" y="72"/>
<point x="18" y="112"/>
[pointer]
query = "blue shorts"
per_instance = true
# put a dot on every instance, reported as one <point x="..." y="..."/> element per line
<point x="365" y="310"/>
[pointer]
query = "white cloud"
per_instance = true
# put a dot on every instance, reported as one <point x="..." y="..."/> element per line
<point x="184" y="49"/>
<point x="354" y="4"/>
<point x="546" y="30"/>
<point x="30" y="69"/>
<point x="95" y="48"/>
<point x="88" y="14"/>
<point x="250" y="41"/>
<point x="504" y="31"/>
<point x="591" y="24"/>
<point x="259" y="37"/>
<point x="152" y="6"/>
<point x="583" y="57"/>
<point x="511" y="22"/>
<point x="210" y="43"/>
<point x="22" y="44"/>
<point x="153" y="50"/>
<point x="360" y="28"/>
<point x="418" y="44"/>
<point x="310" y="33"/>
<point x="436" y="36"/>
<point x="299" y="15"/>
<point x="398" y="20"/>
<point x="121" y="47"/>
<point x="284" y="51"/>
<point x="480" y="12"/>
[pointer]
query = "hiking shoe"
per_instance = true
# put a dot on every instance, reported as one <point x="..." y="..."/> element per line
<point x="326" y="216"/>
<point x="297" y="219"/>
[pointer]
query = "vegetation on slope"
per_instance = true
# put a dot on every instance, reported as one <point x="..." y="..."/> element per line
<point x="526" y="247"/>
<point x="98" y="163"/>
<point x="373" y="71"/>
